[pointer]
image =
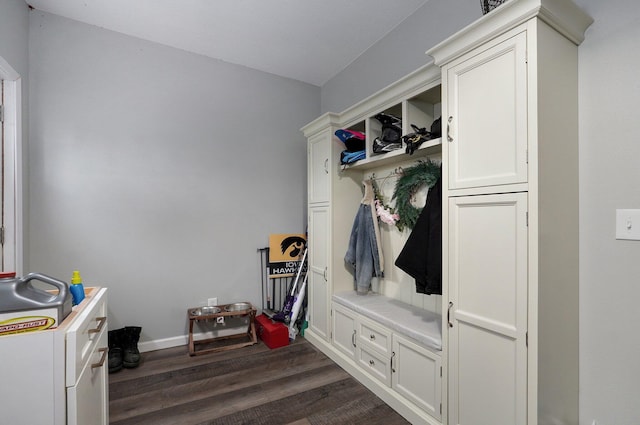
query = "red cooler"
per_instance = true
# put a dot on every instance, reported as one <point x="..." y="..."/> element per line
<point x="274" y="334"/>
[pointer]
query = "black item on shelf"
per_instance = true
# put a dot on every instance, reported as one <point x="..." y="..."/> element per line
<point x="436" y="128"/>
<point x="489" y="5"/>
<point x="391" y="137"/>
<point x="421" y="135"/>
<point x="415" y="139"/>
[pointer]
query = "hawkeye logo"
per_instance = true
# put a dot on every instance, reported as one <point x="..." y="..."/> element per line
<point x="285" y="253"/>
<point x="293" y="245"/>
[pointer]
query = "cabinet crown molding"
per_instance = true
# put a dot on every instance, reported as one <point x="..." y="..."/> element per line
<point x="323" y="122"/>
<point x="562" y="15"/>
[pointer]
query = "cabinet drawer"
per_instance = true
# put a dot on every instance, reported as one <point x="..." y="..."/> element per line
<point x="87" y="401"/>
<point x="372" y="335"/>
<point x="83" y="335"/>
<point x="375" y="363"/>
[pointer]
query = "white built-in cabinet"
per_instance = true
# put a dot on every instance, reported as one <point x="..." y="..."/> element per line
<point x="324" y="220"/>
<point x="403" y="372"/>
<point x="506" y="88"/>
<point x="396" y="362"/>
<point x="319" y="187"/>
<point x="510" y="230"/>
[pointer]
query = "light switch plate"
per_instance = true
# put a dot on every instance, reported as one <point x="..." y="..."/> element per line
<point x="628" y="225"/>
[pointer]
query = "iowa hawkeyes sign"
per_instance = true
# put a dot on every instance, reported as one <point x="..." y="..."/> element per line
<point x="285" y="252"/>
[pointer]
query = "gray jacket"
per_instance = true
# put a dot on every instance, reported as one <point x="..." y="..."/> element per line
<point x="364" y="254"/>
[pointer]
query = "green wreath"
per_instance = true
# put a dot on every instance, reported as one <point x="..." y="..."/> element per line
<point x="412" y="179"/>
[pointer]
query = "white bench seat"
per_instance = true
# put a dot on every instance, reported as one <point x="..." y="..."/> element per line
<point x="421" y="325"/>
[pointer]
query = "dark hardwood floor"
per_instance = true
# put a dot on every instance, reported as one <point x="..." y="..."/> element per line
<point x="295" y="385"/>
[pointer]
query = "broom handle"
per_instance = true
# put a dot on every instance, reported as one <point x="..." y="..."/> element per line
<point x="295" y="283"/>
<point x="298" y="303"/>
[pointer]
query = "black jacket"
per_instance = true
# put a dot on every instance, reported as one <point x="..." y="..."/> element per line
<point x="421" y="256"/>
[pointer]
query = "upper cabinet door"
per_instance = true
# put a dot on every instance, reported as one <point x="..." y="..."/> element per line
<point x="486" y="122"/>
<point x="319" y="167"/>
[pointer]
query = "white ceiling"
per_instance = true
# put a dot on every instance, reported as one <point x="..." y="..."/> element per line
<point x="307" y="40"/>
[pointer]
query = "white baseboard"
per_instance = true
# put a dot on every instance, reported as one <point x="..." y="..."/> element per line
<point x="160" y="344"/>
<point x="175" y="341"/>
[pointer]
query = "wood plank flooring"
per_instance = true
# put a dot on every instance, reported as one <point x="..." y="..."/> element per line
<point x="294" y="385"/>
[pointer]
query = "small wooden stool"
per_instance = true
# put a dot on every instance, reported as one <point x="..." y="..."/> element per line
<point x="197" y="314"/>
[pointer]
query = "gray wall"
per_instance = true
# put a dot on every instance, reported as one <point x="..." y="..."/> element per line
<point x="158" y="173"/>
<point x="609" y="179"/>
<point x="14" y="31"/>
<point x="399" y="53"/>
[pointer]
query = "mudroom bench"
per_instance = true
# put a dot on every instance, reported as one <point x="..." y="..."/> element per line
<point x="396" y="344"/>
<point x="419" y="324"/>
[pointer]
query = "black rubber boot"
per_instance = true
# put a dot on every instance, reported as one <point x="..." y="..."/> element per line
<point x="131" y="354"/>
<point x="115" y="349"/>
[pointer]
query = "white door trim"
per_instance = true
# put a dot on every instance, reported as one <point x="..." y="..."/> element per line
<point x="13" y="167"/>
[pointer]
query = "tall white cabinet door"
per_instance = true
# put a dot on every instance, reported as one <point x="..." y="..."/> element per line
<point x="319" y="147"/>
<point x="486" y="123"/>
<point x="318" y="301"/>
<point x="488" y="310"/>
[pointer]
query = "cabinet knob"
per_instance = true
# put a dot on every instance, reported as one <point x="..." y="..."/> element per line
<point x="372" y="337"/>
<point x="449" y="314"/>
<point x="371" y="362"/>
<point x="393" y="369"/>
<point x="449" y="138"/>
<point x="353" y="338"/>
<point x="326" y="166"/>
